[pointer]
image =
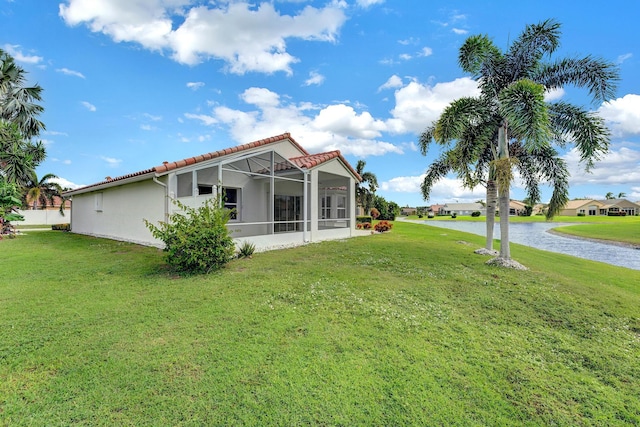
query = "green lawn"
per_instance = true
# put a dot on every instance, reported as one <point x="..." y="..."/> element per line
<point x="403" y="328"/>
<point x="627" y="232"/>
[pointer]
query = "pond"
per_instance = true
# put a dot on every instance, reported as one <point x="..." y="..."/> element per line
<point x="536" y="235"/>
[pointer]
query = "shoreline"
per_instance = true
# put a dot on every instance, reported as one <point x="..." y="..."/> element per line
<point x="591" y="239"/>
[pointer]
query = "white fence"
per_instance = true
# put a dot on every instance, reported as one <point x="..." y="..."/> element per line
<point x="44" y="217"/>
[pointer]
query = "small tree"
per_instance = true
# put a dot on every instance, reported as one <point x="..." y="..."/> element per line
<point x="8" y="202"/>
<point x="197" y="241"/>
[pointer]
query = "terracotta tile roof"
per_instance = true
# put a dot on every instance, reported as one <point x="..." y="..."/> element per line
<point x="168" y="166"/>
<point x="312" y="160"/>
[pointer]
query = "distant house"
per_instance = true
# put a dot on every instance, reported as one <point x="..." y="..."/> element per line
<point x="585" y="207"/>
<point x="435" y="209"/>
<point x="406" y="211"/>
<point x="516" y="207"/>
<point x="615" y="206"/>
<point x="462" y="208"/>
<point x="280" y="195"/>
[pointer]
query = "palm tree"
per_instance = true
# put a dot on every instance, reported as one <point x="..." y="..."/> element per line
<point x="18" y="158"/>
<point x="364" y="195"/>
<point x="18" y="103"/>
<point x="622" y="195"/>
<point x="511" y="107"/>
<point x="42" y="191"/>
<point x="609" y="196"/>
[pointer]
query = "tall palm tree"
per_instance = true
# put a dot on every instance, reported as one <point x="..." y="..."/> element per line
<point x="18" y="158"/>
<point x="365" y="194"/>
<point x="511" y="105"/>
<point x="19" y="103"/>
<point x="42" y="192"/>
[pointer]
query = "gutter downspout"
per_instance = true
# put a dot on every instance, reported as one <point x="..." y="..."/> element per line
<point x="166" y="198"/>
<point x="305" y="211"/>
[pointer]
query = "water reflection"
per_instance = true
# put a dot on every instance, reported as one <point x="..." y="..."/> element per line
<point x="535" y="234"/>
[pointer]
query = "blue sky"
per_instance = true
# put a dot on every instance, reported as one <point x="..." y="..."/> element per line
<point x="131" y="83"/>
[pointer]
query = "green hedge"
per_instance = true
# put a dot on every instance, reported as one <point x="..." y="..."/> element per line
<point x="61" y="227"/>
<point x="364" y="218"/>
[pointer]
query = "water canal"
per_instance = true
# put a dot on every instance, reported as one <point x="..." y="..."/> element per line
<point x="536" y="235"/>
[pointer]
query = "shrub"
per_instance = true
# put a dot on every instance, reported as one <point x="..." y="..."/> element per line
<point x="197" y="241"/>
<point x="363" y="219"/>
<point x="475" y="213"/>
<point x="581" y="214"/>
<point x="246" y="249"/>
<point x="375" y="213"/>
<point x="383" y="226"/>
<point x="454" y="215"/>
<point x="366" y="225"/>
<point x="61" y="227"/>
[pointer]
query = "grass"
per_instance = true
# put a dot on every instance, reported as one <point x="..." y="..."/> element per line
<point x="617" y="232"/>
<point x="402" y="328"/>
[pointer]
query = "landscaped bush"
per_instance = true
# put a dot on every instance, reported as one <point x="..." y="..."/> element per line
<point x="197" y="241"/>
<point x="246" y="250"/>
<point x="383" y="226"/>
<point x="475" y="213"/>
<point x="363" y="226"/>
<point x="61" y="227"/>
<point x="454" y="215"/>
<point x="363" y="219"/>
<point x="616" y="214"/>
<point x="581" y="214"/>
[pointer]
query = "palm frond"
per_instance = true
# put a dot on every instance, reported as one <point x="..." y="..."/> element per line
<point x="437" y="170"/>
<point x="475" y="52"/>
<point x="523" y="106"/>
<point x="597" y="75"/>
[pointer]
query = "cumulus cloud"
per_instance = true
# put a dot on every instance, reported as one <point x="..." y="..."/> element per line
<point x="553" y="94"/>
<point x="366" y="3"/>
<point x="89" y="106"/>
<point x="195" y="85"/>
<point x="333" y="127"/>
<point x="111" y="162"/>
<point x="247" y="37"/>
<point x="16" y="53"/>
<point x="69" y="72"/>
<point x="65" y="183"/>
<point x="620" y="166"/>
<point x="426" y="51"/>
<point x="459" y="31"/>
<point x="445" y="190"/>
<point x="392" y="83"/>
<point x="418" y="105"/>
<point x="623" y="114"/>
<point x="314" y="79"/>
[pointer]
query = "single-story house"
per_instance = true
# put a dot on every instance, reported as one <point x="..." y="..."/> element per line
<point x="281" y="195"/>
<point x="406" y="211"/>
<point x="582" y="206"/>
<point x="516" y="207"/>
<point x="462" y="209"/>
<point x="615" y="206"/>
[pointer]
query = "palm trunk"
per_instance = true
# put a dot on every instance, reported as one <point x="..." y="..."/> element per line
<point x="492" y="200"/>
<point x="503" y="190"/>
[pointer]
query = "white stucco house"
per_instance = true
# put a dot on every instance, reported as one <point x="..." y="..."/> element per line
<point x="282" y="195"/>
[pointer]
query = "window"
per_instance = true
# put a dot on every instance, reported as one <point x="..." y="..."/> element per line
<point x="98" y="202"/>
<point x="231" y="199"/>
<point x="341" y="206"/>
<point x="185" y="184"/>
<point x="287" y="211"/>
<point x="325" y="208"/>
<point x="205" y="189"/>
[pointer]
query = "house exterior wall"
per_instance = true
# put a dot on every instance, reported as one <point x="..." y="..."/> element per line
<point x="122" y="213"/>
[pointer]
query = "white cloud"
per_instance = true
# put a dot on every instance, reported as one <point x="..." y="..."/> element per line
<point x="405" y="56"/>
<point x="459" y="31"/>
<point x="247" y="37"/>
<point x="445" y="190"/>
<point x="334" y="127"/>
<point x="89" y="106"/>
<point x="392" y="83"/>
<point x="147" y="127"/>
<point x="620" y="166"/>
<point x="195" y="85"/>
<point x="152" y="117"/>
<point x="426" y="51"/>
<point x="65" y="183"/>
<point x="314" y="79"/>
<point x="418" y="105"/>
<point x="16" y="53"/>
<point x="623" y="114"/>
<point x="553" y="94"/>
<point x="69" y="72"/>
<point x="112" y="162"/>
<point x="366" y="3"/>
<point x="624" y="57"/>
